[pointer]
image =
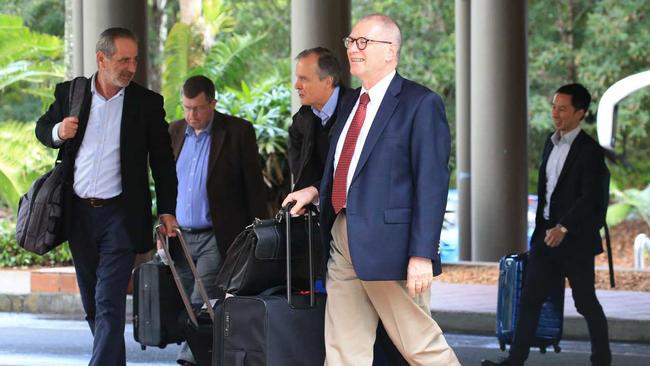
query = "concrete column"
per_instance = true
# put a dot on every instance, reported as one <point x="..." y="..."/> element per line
<point x="76" y="38"/>
<point x="498" y="123"/>
<point x="463" y="132"/>
<point x="98" y="15"/>
<point x="319" y="23"/>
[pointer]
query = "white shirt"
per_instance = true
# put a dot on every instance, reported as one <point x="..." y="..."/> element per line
<point x="555" y="163"/>
<point x="97" y="165"/>
<point x="376" y="94"/>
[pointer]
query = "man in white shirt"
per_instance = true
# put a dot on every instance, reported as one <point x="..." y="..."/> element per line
<point x="382" y="202"/>
<point x="107" y="151"/>
<point x="573" y="196"/>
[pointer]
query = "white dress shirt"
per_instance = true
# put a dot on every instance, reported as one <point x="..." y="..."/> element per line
<point x="376" y="94"/>
<point x="97" y="165"/>
<point x="555" y="163"/>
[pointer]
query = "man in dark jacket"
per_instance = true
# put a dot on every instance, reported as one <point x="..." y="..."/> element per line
<point x="220" y="185"/>
<point x="318" y="82"/>
<point x="107" y="151"/>
<point x="572" y="191"/>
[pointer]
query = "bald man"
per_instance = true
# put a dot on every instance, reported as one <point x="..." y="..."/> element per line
<point x="382" y="201"/>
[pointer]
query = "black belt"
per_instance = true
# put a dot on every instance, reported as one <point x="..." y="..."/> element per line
<point x="196" y="231"/>
<point x="98" y="202"/>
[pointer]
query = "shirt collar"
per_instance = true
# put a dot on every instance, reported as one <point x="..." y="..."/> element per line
<point x="93" y="89"/>
<point x="189" y="131"/>
<point x="329" y="107"/>
<point x="568" y="137"/>
<point x="376" y="93"/>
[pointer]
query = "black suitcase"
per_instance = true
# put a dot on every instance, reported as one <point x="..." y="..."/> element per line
<point x="273" y="329"/>
<point x="156" y="306"/>
<point x="551" y="318"/>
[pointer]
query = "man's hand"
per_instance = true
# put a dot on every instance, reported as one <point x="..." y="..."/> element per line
<point x="68" y="128"/>
<point x="554" y="236"/>
<point x="169" y="224"/>
<point x="419" y="275"/>
<point x="302" y="198"/>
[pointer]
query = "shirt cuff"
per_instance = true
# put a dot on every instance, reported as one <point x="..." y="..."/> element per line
<point x="56" y="140"/>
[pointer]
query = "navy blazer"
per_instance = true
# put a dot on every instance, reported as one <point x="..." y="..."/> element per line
<point x="579" y="200"/>
<point x="398" y="193"/>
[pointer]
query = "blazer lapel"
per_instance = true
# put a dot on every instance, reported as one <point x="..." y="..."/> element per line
<point x="218" y="136"/>
<point x="129" y="115"/>
<point x="382" y="117"/>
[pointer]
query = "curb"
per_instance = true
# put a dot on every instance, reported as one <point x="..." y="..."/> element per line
<point x="50" y="303"/>
<point x="620" y="330"/>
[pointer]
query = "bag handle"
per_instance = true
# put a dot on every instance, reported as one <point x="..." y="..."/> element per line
<point x="164" y="239"/>
<point x="610" y="261"/>
<point x="286" y="212"/>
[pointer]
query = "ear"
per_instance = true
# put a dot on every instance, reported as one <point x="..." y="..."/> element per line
<point x="390" y="53"/>
<point x="582" y="114"/>
<point x="100" y="58"/>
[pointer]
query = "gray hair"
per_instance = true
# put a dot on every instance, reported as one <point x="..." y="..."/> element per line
<point x="328" y="64"/>
<point x="106" y="41"/>
<point x="390" y="27"/>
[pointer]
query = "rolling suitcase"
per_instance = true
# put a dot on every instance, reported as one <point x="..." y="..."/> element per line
<point x="279" y="327"/>
<point x="196" y="323"/>
<point x="156" y="306"/>
<point x="549" y="328"/>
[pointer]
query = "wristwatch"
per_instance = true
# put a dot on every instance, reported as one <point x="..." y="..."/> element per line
<point x="562" y="229"/>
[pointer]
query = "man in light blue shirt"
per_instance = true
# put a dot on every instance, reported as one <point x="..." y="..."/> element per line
<point x="220" y="185"/>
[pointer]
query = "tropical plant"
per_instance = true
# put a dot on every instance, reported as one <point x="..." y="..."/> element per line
<point x="627" y="202"/>
<point x="267" y="106"/>
<point x="11" y="255"/>
<point x="30" y="62"/>
<point x="22" y="159"/>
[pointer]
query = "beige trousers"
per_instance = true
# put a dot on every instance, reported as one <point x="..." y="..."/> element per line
<point x="354" y="308"/>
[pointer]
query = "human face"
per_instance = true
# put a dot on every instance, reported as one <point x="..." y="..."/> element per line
<point x="118" y="69"/>
<point x="198" y="111"/>
<point x="375" y="61"/>
<point x="565" y="116"/>
<point x="311" y="89"/>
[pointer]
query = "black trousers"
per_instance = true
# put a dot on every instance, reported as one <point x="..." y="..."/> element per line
<point x="546" y="266"/>
<point x="103" y="258"/>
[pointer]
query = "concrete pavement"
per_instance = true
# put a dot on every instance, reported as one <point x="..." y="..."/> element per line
<point x="463" y="308"/>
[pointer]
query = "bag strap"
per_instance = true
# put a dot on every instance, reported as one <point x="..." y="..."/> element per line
<point x="76" y="95"/>
<point x="610" y="261"/>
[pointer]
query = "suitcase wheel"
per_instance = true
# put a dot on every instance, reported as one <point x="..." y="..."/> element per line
<point x="542" y="349"/>
<point x="502" y="345"/>
<point x="143" y="347"/>
<point x="556" y="348"/>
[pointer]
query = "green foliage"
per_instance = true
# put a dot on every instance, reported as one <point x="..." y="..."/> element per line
<point x="267" y="106"/>
<point x="629" y="201"/>
<point x="22" y="159"/>
<point x="30" y="64"/>
<point x="178" y="48"/>
<point x="11" y="255"/>
<point x="595" y="43"/>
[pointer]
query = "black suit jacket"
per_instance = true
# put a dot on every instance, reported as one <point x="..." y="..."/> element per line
<point x="144" y="141"/>
<point x="305" y="159"/>
<point x="236" y="190"/>
<point x="579" y="200"/>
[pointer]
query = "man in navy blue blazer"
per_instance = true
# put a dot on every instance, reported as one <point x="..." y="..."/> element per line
<point x="382" y="201"/>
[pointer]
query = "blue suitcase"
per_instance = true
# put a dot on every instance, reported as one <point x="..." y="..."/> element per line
<point x="549" y="328"/>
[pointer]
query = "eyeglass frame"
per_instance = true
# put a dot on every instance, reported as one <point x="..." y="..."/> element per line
<point x="350" y="40"/>
<point x="196" y="109"/>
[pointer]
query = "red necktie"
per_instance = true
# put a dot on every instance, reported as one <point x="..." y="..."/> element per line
<point x="339" y="188"/>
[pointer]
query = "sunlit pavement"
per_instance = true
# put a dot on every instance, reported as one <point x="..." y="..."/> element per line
<point x="37" y="340"/>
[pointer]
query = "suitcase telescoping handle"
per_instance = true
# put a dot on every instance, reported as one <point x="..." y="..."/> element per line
<point x="286" y="211"/>
<point x="164" y="239"/>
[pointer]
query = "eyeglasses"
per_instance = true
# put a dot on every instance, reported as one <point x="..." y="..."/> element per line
<point x="362" y="42"/>
<point x="197" y="109"/>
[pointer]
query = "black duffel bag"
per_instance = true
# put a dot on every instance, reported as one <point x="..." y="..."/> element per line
<point x="256" y="260"/>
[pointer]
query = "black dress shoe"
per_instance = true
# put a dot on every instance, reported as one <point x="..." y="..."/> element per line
<point x="504" y="362"/>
